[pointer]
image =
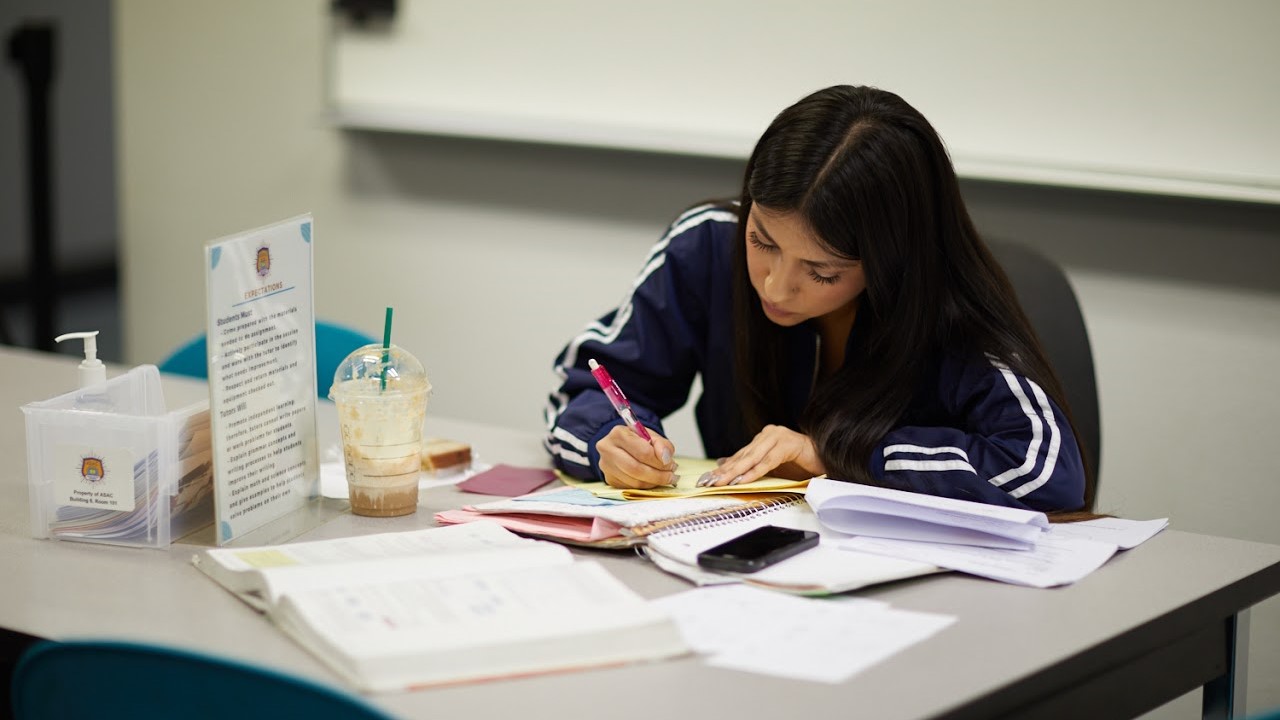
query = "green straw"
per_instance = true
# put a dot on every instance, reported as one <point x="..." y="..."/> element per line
<point x="386" y="348"/>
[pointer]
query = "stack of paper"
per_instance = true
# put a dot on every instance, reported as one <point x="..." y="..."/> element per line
<point x="576" y="516"/>
<point x="879" y="512"/>
<point x="1007" y="544"/>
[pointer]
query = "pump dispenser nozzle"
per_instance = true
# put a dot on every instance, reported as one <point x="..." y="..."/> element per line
<point x="92" y="371"/>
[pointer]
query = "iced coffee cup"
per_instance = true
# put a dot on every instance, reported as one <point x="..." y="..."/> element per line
<point x="381" y="394"/>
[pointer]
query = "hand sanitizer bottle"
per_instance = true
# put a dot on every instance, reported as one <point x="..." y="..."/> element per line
<point x="92" y="372"/>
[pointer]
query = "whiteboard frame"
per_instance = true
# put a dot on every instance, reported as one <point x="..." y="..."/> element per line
<point x="486" y="126"/>
<point x="371" y="92"/>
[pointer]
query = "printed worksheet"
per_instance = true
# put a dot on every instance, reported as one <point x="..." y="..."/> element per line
<point x="1055" y="560"/>
<point x="1127" y="534"/>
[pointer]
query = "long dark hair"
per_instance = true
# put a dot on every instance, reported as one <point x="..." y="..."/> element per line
<point x="872" y="178"/>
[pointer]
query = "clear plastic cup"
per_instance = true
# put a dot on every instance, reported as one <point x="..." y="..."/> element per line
<point x="381" y="394"/>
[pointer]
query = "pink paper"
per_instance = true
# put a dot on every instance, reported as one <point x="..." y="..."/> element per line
<point x="507" y="480"/>
<point x="553" y="526"/>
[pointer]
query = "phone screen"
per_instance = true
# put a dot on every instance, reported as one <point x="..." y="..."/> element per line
<point x="757" y="549"/>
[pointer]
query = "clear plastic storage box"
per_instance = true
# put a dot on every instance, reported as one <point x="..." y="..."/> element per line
<point x="110" y="464"/>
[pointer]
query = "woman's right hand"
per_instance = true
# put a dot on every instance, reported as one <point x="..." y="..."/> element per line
<point x="627" y="461"/>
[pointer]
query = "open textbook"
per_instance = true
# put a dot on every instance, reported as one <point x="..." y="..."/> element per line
<point x="396" y="611"/>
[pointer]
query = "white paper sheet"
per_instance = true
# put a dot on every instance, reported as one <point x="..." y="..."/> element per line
<point x="830" y="640"/>
<point x="1128" y="534"/>
<point x="1055" y="560"/>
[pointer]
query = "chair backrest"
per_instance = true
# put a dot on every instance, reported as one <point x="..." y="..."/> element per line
<point x="107" y="680"/>
<point x="333" y="343"/>
<point x="1051" y="305"/>
<point x="1270" y="714"/>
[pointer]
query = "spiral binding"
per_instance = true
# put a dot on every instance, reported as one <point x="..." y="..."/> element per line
<point x="733" y="515"/>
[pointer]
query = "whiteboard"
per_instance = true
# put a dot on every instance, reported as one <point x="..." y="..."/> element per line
<point x="1165" y="96"/>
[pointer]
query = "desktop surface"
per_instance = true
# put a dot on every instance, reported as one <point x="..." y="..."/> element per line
<point x="1141" y="630"/>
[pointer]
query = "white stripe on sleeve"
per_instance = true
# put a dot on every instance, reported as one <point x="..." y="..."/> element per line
<point x="1055" y="441"/>
<point x="569" y="455"/>
<point x="573" y="441"/>
<point x="929" y="465"/>
<point x="1037" y="430"/>
<point x="607" y="334"/>
<point x="920" y="450"/>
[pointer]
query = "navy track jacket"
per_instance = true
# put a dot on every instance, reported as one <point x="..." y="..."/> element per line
<point x="975" y="430"/>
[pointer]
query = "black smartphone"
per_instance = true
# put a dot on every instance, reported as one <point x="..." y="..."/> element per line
<point x="757" y="549"/>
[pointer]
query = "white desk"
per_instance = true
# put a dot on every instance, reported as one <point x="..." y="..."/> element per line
<point x="1149" y="626"/>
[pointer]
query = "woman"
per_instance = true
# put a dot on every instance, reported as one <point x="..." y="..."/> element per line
<point x="845" y="318"/>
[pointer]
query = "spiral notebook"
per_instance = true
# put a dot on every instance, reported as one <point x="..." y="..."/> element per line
<point x="575" y="516"/>
<point x="823" y="570"/>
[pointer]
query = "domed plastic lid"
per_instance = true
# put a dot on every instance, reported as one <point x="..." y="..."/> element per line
<point x="375" y="370"/>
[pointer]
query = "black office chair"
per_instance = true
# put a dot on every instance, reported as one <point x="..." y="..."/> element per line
<point x="1051" y="305"/>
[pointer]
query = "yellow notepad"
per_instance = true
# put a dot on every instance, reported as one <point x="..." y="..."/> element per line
<point x="687" y="486"/>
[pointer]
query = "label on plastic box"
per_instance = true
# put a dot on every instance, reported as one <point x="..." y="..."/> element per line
<point x="94" y="477"/>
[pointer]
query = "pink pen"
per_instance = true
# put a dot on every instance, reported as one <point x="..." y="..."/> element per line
<point x="619" y="401"/>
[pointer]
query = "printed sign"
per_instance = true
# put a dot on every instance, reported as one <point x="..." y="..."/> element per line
<point x="262" y="377"/>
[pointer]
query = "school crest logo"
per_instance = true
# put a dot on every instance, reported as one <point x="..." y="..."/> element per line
<point x="264" y="261"/>
<point x="91" y="469"/>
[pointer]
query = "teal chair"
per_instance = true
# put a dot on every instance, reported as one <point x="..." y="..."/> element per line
<point x="333" y="344"/>
<point x="107" y="680"/>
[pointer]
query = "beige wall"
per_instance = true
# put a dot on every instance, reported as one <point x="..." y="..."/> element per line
<point x="493" y="255"/>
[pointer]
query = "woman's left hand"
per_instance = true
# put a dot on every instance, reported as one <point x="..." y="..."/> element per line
<point x="775" y="449"/>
